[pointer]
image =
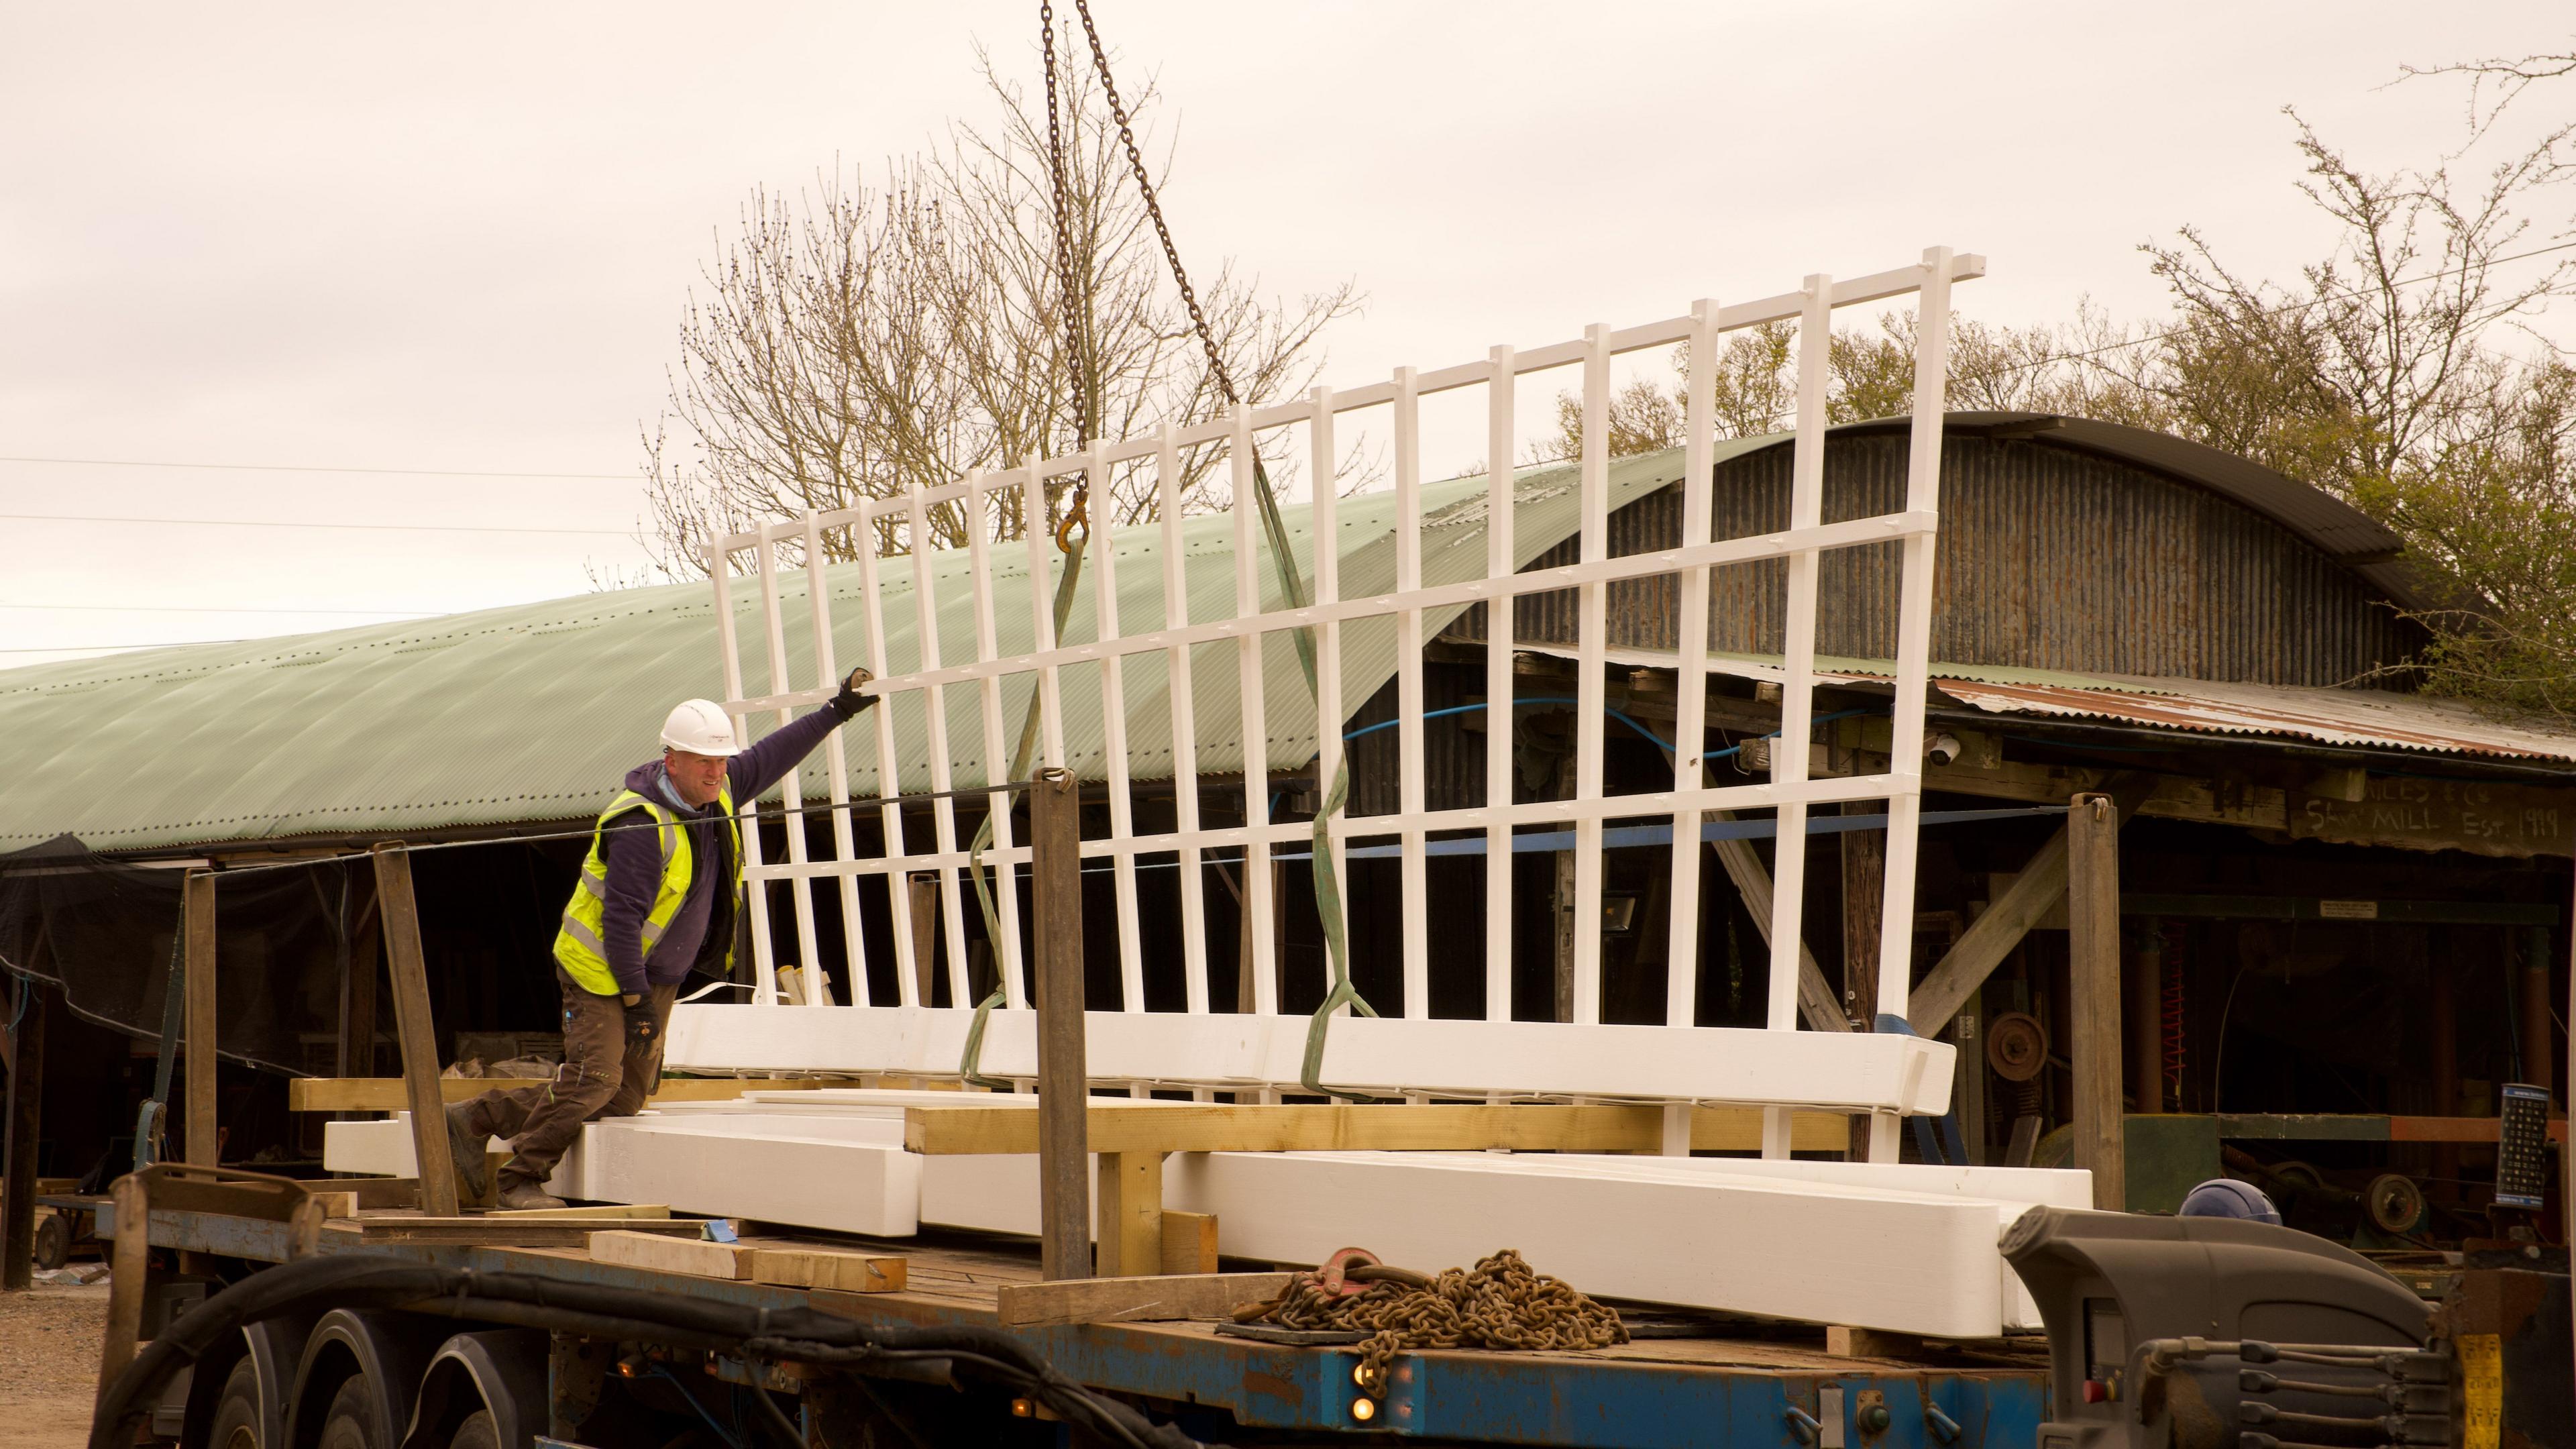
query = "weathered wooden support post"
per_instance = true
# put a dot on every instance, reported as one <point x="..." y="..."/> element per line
<point x="410" y="977"/>
<point x="202" y="1144"/>
<point x="1864" y="854"/>
<point x="2093" y="979"/>
<point x="128" y="1277"/>
<point x="26" y="1123"/>
<point x="2539" y="1056"/>
<point x="2443" y="1021"/>
<point x="1064" y="1087"/>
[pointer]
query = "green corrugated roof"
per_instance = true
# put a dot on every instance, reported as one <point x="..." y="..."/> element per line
<point x="535" y="712"/>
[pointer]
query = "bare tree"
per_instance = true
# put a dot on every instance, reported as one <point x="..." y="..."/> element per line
<point x="863" y="340"/>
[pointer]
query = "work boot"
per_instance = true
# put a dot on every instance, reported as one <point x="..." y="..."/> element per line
<point x="465" y="1148"/>
<point x="519" y="1196"/>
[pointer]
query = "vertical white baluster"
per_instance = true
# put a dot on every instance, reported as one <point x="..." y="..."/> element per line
<point x="1003" y="877"/>
<point x="1798" y="681"/>
<point x="1500" y="564"/>
<point x="1185" y="742"/>
<point x="1324" y="467"/>
<point x="1413" y="900"/>
<point x="1690" y="709"/>
<point x="934" y="700"/>
<point x="1591" y="701"/>
<point x="1255" y="727"/>
<point x="818" y="595"/>
<point x="791" y="793"/>
<point x="1101" y="552"/>
<point x="889" y="762"/>
<point x="764" y="961"/>
<point x="1914" y="654"/>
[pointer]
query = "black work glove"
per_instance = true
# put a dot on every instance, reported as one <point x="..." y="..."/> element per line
<point x="640" y="1028"/>
<point x="849" y="701"/>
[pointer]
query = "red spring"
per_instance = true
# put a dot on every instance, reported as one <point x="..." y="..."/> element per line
<point x="2173" y="1026"/>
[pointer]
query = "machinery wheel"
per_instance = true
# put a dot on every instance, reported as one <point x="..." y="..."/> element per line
<point x="477" y="1432"/>
<point x="351" y="1422"/>
<point x="53" y="1242"/>
<point x="237" y="1412"/>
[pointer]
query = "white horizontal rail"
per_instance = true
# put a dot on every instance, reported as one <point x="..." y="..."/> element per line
<point x="1851" y="533"/>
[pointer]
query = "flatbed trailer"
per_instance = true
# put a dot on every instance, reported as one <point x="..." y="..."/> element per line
<point x="1692" y="1383"/>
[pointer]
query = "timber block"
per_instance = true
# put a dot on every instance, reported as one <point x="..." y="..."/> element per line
<point x="671" y="1254"/>
<point x="1165" y="1299"/>
<point x="1842" y="1342"/>
<point x="827" y="1268"/>
<point x="1189" y="1242"/>
<point x="618" y="1211"/>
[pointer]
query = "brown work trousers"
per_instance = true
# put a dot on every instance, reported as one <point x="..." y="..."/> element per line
<point x="602" y="1076"/>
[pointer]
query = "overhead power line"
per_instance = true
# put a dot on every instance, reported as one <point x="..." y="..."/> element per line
<point x="222" y="609"/>
<point x="316" y="468"/>
<point x="299" y="523"/>
<point x="151" y="644"/>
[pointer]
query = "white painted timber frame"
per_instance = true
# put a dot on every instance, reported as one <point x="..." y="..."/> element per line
<point x="1776" y="1066"/>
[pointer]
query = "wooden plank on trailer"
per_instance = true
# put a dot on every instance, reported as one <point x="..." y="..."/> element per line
<point x="1055" y="844"/>
<point x="618" y="1210"/>
<point x="1158" y="1299"/>
<point x="826" y="1268"/>
<point x="1130" y="1240"/>
<point x="1352" y="1126"/>
<point x="403" y="962"/>
<point x="670" y="1254"/>
<point x="386" y="1094"/>
<point x="484" y="1230"/>
<point x="1189" y="1243"/>
<point x="201" y="1142"/>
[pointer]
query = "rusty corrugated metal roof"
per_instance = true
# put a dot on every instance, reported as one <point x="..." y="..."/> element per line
<point x="2362" y="718"/>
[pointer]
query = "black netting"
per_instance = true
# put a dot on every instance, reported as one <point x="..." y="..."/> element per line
<point x="103" y="932"/>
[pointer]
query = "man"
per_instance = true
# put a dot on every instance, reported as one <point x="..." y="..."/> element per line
<point x="656" y="900"/>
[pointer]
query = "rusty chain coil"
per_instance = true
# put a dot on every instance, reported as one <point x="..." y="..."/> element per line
<point x="1500" y="1303"/>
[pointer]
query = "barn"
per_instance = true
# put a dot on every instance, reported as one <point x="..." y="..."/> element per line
<point x="2345" y="904"/>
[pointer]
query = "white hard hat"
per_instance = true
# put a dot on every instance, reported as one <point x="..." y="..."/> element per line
<point x="701" y="727"/>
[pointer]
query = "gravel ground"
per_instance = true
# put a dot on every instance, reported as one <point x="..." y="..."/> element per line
<point x="49" y="1339"/>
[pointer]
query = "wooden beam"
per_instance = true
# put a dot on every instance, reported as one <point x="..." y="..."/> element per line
<point x="199" y="895"/>
<point x="970" y="1129"/>
<point x="1130" y="1243"/>
<point x="1818" y="1006"/>
<point x="129" y="1278"/>
<point x="25" y="1126"/>
<point x="1864" y="861"/>
<point x="386" y="1094"/>
<point x="800" y="1267"/>
<point x="2093" y="996"/>
<point x="482" y="1231"/>
<point x="922" y="889"/>
<point x="1202" y="1296"/>
<point x="410" y="977"/>
<point x="665" y="1253"/>
<point x="1953" y="981"/>
<point x="1055" y="869"/>
<point x="1189" y="1242"/>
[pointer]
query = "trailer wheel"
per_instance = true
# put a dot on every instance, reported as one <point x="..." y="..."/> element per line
<point x="477" y="1432"/>
<point x="350" y="1423"/>
<point x="237" y="1412"/>
<point x="53" y="1242"/>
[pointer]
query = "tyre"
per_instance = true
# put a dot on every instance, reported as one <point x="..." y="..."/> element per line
<point x="53" y="1242"/>
<point x="477" y="1432"/>
<point x="237" y="1411"/>
<point x="351" y="1423"/>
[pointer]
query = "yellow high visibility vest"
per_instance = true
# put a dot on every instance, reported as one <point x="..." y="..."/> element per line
<point x="581" y="946"/>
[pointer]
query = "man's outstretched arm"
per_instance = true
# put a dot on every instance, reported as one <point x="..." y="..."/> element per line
<point x="784" y="748"/>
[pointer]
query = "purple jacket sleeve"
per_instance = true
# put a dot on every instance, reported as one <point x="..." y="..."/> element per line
<point x="781" y="750"/>
<point x="634" y="874"/>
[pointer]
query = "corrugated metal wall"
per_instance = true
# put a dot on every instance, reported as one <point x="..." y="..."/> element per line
<point x="2049" y="558"/>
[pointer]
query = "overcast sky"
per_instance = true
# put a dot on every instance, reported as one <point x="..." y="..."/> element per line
<point x="459" y="238"/>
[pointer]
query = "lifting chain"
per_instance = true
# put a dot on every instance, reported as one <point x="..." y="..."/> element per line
<point x="1500" y="1303"/>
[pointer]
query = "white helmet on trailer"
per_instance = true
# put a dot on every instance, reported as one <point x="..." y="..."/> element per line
<point x="701" y="727"/>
